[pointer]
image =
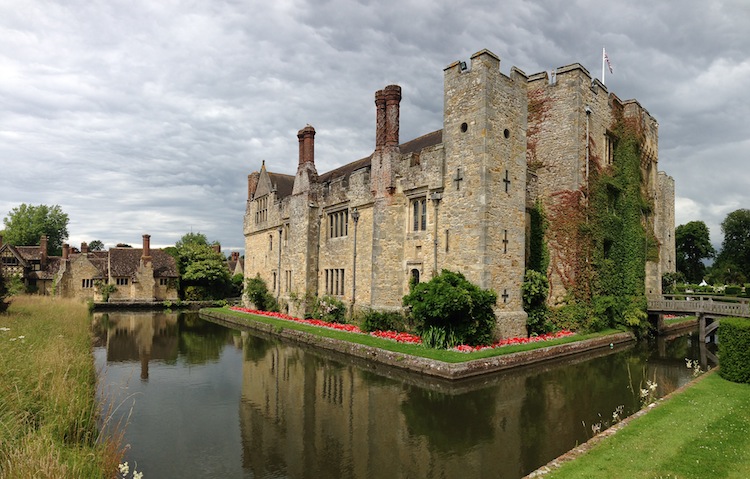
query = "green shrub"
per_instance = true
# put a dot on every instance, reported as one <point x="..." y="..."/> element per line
<point x="734" y="349"/>
<point x="257" y="293"/>
<point x="733" y="290"/>
<point x="329" y="309"/>
<point x="452" y="303"/>
<point x="372" y="320"/>
<point x="573" y="317"/>
<point x="535" y="289"/>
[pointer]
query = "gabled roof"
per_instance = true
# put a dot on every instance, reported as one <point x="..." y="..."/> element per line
<point x="96" y="259"/>
<point x="124" y="262"/>
<point x="29" y="253"/>
<point x="284" y="184"/>
<point x="18" y="254"/>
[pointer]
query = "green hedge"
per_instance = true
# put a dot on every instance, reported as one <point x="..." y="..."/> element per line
<point x="734" y="349"/>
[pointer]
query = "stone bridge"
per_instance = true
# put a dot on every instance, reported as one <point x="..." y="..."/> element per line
<point x="708" y="309"/>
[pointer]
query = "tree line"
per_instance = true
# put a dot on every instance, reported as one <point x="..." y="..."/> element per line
<point x="731" y="264"/>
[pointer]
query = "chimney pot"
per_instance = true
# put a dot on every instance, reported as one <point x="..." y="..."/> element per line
<point x="84" y="248"/>
<point x="66" y="251"/>
<point x="146" y="248"/>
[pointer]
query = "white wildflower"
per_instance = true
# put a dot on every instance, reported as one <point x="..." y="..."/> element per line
<point x="4" y="329"/>
<point x="137" y="475"/>
<point x="124" y="468"/>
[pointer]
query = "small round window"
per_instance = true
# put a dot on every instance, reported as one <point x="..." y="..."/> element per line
<point x="464" y="127"/>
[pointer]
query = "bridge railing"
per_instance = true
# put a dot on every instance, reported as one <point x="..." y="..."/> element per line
<point x="696" y="304"/>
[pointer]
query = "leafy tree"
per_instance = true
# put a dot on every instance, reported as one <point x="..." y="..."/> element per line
<point x="96" y="245"/>
<point x="693" y="245"/>
<point x="735" y="249"/>
<point x="203" y="270"/>
<point x="452" y="305"/>
<point x="25" y="224"/>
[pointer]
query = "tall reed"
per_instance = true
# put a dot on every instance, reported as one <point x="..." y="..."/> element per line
<point x="48" y="403"/>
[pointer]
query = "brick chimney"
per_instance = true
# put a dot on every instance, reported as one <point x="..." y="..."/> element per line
<point x="146" y="256"/>
<point x="252" y="183"/>
<point x="66" y="251"/>
<point x="235" y="255"/>
<point x="387" y="103"/>
<point x="306" y="137"/>
<point x="216" y="247"/>
<point x="43" y="250"/>
<point x="84" y="248"/>
<point x="392" y="95"/>
<point x="1" y="240"/>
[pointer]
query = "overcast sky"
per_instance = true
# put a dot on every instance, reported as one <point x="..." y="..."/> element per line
<point x="147" y="116"/>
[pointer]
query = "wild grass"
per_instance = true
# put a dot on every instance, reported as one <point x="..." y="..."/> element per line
<point x="699" y="433"/>
<point x="48" y="402"/>
<point x="410" y="349"/>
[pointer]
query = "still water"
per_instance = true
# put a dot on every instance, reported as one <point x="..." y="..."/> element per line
<point x="207" y="401"/>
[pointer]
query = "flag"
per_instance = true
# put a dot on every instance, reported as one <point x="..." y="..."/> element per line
<point x="606" y="59"/>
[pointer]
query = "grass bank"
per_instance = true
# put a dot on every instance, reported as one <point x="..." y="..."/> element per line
<point x="701" y="432"/>
<point x="48" y="404"/>
<point x="444" y="355"/>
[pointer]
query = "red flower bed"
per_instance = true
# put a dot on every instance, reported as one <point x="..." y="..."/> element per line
<point x="464" y="348"/>
<point x="313" y="322"/>
<point x="401" y="337"/>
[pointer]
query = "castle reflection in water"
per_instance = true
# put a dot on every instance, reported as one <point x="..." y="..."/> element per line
<point x="301" y="413"/>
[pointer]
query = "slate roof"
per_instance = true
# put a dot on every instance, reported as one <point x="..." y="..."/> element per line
<point x="124" y="262"/>
<point x="412" y="146"/>
<point x="284" y="184"/>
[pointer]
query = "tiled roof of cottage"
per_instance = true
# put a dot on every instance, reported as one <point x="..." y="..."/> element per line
<point x="125" y="261"/>
<point x="97" y="258"/>
<point x="53" y="266"/>
<point x="29" y="253"/>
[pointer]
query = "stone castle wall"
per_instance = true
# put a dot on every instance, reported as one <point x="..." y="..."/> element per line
<point x="470" y="182"/>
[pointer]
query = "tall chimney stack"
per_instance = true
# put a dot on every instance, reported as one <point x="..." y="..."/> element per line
<point x="43" y="250"/>
<point x="306" y="137"/>
<point x="66" y="251"/>
<point x="146" y="257"/>
<point x="379" y="119"/>
<point x="252" y="184"/>
<point x="392" y="95"/>
<point x="84" y="248"/>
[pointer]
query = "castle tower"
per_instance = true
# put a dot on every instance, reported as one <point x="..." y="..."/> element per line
<point x="483" y="210"/>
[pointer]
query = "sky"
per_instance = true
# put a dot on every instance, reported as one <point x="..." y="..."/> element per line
<point x="145" y="117"/>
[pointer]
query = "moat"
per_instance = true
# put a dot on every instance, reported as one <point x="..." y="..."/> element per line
<point x="205" y="400"/>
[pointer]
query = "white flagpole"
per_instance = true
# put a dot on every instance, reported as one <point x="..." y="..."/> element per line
<point x="604" y="55"/>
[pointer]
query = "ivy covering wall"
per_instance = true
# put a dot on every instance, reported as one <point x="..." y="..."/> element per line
<point x="602" y="236"/>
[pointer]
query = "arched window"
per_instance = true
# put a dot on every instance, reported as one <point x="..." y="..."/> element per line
<point x="414" y="276"/>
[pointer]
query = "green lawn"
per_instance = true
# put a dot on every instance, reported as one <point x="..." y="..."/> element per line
<point x="410" y="349"/>
<point x="702" y="432"/>
<point x="680" y="319"/>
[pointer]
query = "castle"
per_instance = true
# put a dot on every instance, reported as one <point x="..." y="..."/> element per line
<point x="458" y="198"/>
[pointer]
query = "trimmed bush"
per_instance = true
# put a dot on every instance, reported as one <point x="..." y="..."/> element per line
<point x="452" y="303"/>
<point x="734" y="349"/>
<point x="733" y="290"/>
<point x="372" y="320"/>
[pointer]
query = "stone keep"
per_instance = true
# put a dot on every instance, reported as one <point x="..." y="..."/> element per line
<point x="456" y="198"/>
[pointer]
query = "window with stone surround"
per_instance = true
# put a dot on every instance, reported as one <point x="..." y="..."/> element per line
<point x="163" y="281"/>
<point x="419" y="213"/>
<point x="288" y="280"/>
<point x="335" y="281"/>
<point x="87" y="283"/>
<point x="121" y="281"/>
<point x="609" y="148"/>
<point x="338" y="224"/>
<point x="261" y="212"/>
